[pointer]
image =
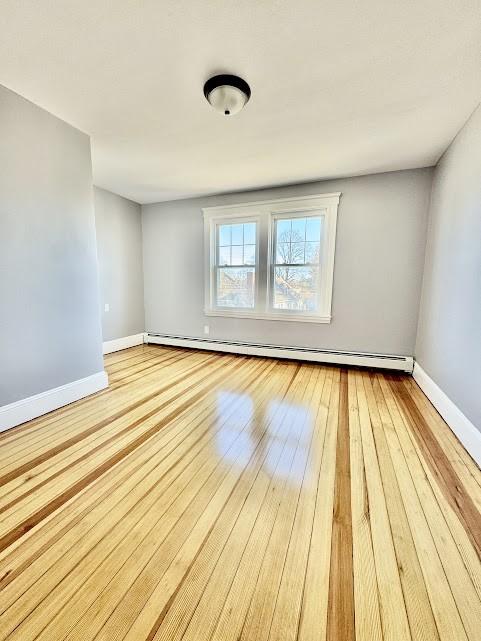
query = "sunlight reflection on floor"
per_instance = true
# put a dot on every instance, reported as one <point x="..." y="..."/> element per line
<point x="289" y="425"/>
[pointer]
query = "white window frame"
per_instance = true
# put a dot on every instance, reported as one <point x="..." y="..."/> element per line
<point x="264" y="213"/>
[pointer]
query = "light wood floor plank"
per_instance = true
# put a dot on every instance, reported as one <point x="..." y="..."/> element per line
<point x="410" y="477"/>
<point x="56" y="430"/>
<point x="216" y="497"/>
<point x="75" y="452"/>
<point x="464" y="465"/>
<point x="37" y="504"/>
<point x="210" y="542"/>
<point x="393" y="609"/>
<point x="367" y="609"/>
<point x="234" y="609"/>
<point x="136" y="570"/>
<point x="286" y="614"/>
<point x="462" y="587"/>
<point x="421" y="619"/>
<point x="296" y="435"/>
<point x="314" y="608"/>
<point x="257" y="623"/>
<point x="340" y="618"/>
<point x="125" y="494"/>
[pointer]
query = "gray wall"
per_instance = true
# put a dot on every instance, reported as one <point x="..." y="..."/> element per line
<point x="448" y="345"/>
<point x="50" y="330"/>
<point x="378" y="267"/>
<point x="119" y="248"/>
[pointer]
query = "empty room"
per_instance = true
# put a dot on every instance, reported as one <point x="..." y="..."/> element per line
<point x="240" y="320"/>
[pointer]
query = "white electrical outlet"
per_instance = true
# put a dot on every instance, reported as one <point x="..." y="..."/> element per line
<point x="206" y="329"/>
<point x="106" y="307"/>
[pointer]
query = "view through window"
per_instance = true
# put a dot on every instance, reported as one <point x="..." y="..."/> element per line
<point x="236" y="265"/>
<point x="296" y="270"/>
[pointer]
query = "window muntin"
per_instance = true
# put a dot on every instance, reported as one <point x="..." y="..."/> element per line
<point x="295" y="269"/>
<point x="235" y="265"/>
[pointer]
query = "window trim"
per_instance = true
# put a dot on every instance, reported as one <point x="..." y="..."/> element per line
<point x="264" y="213"/>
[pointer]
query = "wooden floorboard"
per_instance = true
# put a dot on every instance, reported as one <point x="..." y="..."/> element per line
<point x="213" y="497"/>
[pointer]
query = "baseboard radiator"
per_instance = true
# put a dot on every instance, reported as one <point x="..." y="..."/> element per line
<point x="336" y="357"/>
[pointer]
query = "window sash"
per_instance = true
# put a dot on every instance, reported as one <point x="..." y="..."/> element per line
<point x="273" y="264"/>
<point x="217" y="266"/>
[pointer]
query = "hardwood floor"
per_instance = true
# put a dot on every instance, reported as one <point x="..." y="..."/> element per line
<point x="216" y="497"/>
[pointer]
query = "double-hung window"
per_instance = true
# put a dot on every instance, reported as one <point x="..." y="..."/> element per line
<point x="295" y="268"/>
<point x="235" y="264"/>
<point x="271" y="259"/>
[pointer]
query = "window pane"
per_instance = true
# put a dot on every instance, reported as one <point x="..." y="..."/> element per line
<point x="224" y="256"/>
<point x="237" y="257"/>
<point x="298" y="229"/>
<point x="312" y="252"/>
<point x="224" y="234"/>
<point x="313" y="229"/>
<point x="235" y="287"/>
<point x="250" y="233"/>
<point x="283" y="253"/>
<point x="295" y="288"/>
<point x="237" y="234"/>
<point x="249" y="254"/>
<point x="283" y="229"/>
<point x="297" y="253"/>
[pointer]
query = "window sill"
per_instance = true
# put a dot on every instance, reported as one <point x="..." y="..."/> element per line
<point x="272" y="316"/>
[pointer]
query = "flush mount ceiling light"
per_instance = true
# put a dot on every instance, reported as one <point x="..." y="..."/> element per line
<point x="227" y="94"/>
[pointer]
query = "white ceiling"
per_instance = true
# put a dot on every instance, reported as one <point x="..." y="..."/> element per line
<point x="338" y="88"/>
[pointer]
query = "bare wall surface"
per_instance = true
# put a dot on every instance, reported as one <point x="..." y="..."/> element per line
<point x="448" y="345"/>
<point x="50" y="330"/>
<point x="380" y="245"/>
<point x="119" y="247"/>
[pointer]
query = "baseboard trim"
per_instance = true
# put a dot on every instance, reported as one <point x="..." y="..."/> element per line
<point x="34" y="406"/>
<point x="123" y="343"/>
<point x="466" y="432"/>
<point x="400" y="363"/>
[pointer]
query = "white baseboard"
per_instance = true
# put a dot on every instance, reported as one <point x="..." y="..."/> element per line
<point x="401" y="363"/>
<point x="34" y="406"/>
<point x="466" y="432"/>
<point x="123" y="343"/>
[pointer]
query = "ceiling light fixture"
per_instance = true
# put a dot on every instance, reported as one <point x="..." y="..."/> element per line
<point x="227" y="94"/>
